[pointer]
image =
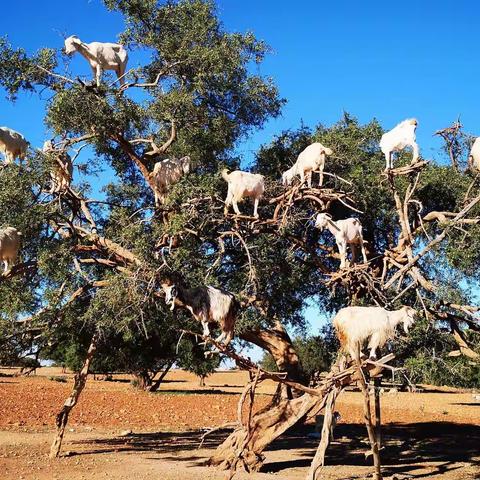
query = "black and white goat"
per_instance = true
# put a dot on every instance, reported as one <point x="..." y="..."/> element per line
<point x="206" y="304"/>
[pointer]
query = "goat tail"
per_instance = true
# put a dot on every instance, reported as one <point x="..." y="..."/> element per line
<point x="225" y="175"/>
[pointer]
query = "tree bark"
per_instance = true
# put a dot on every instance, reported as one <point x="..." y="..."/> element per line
<point x="278" y="343"/>
<point x="279" y="415"/>
<point x="71" y="401"/>
<point x="378" y="411"/>
<point x="128" y="149"/>
<point x="266" y="425"/>
<point x="372" y="436"/>
<point x="143" y="380"/>
<point x="156" y="385"/>
<point x="319" y="459"/>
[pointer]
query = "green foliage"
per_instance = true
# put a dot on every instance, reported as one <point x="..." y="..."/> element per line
<point x="433" y="370"/>
<point x="75" y="282"/>
<point x="191" y="357"/>
<point x="18" y="71"/>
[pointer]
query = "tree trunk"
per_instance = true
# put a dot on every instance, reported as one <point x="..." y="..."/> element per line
<point x="143" y="380"/>
<point x="266" y="425"/>
<point x="201" y="381"/>
<point x="71" y="401"/>
<point x="319" y="459"/>
<point x="277" y="342"/>
<point x="372" y="435"/>
<point x="279" y="415"/>
<point x="156" y="385"/>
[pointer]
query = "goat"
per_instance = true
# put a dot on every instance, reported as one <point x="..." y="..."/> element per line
<point x="346" y="232"/>
<point x="100" y="56"/>
<point x="167" y="173"/>
<point x="62" y="171"/>
<point x="400" y="137"/>
<point x="240" y="185"/>
<point x="310" y="159"/>
<point x="355" y="325"/>
<point x="206" y="304"/>
<point x="289" y="175"/>
<point x="10" y="239"/>
<point x="12" y="145"/>
<point x="474" y="157"/>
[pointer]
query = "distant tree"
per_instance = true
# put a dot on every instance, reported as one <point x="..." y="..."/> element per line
<point x="316" y="354"/>
<point x="191" y="357"/>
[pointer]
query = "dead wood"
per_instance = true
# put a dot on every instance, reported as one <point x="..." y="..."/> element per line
<point x="79" y="384"/>
<point x="377" y="474"/>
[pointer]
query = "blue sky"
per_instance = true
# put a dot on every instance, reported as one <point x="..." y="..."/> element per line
<point x="387" y="60"/>
<point x="372" y="58"/>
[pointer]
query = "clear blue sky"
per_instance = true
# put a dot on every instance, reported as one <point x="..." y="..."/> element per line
<point x="389" y="60"/>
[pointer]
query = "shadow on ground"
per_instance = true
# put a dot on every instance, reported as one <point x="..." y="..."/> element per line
<point x="407" y="447"/>
<point x="207" y="391"/>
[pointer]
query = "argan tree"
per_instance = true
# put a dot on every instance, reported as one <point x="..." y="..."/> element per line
<point x="90" y="267"/>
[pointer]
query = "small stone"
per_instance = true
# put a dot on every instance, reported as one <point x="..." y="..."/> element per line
<point x="125" y="433"/>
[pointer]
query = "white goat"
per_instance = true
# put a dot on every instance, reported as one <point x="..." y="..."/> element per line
<point x="355" y="325"/>
<point x="10" y="239"/>
<point x="400" y="137"/>
<point x="167" y="173"/>
<point x="100" y="56"/>
<point x="474" y="157"/>
<point x="240" y="185"/>
<point x="12" y="144"/>
<point x="206" y="304"/>
<point x="346" y="232"/>
<point x="62" y="171"/>
<point x="309" y="160"/>
<point x="289" y="175"/>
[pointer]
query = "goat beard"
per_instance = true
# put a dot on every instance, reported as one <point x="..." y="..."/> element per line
<point x="405" y="327"/>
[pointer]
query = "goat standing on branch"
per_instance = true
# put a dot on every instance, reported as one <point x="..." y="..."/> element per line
<point x="289" y="175"/>
<point x="100" y="56"/>
<point x="474" y="157"/>
<point x="206" y="304"/>
<point x="346" y="232"/>
<point x="62" y="171"/>
<point x="167" y="173"/>
<point x="309" y="160"/>
<point x="12" y="144"/>
<point x="10" y="239"/>
<point x="397" y="139"/>
<point x="240" y="185"/>
<point x="356" y="325"/>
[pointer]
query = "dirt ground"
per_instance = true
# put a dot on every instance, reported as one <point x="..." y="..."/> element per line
<point x="426" y="435"/>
